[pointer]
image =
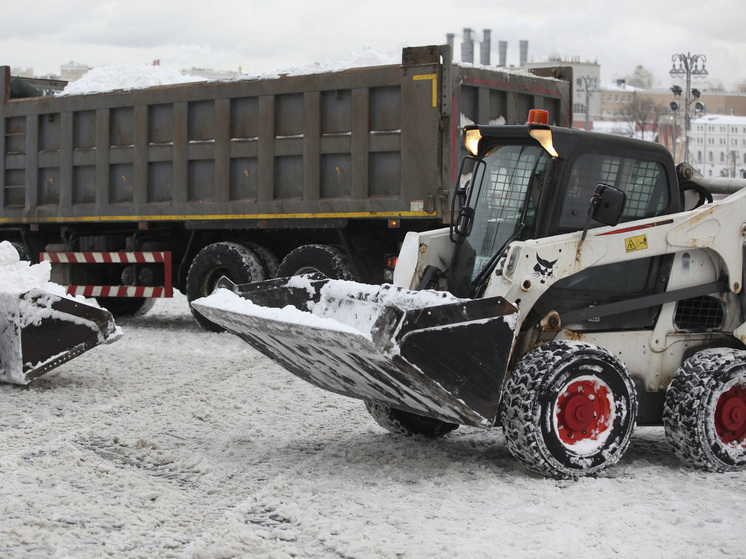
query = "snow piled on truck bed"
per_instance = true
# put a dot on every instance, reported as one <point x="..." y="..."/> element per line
<point x="175" y="442"/>
<point x="140" y="76"/>
<point x="125" y="77"/>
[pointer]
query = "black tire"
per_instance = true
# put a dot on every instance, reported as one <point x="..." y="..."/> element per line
<point x="269" y="260"/>
<point x="235" y="261"/>
<point x="406" y="423"/>
<point x="23" y="253"/>
<point x="705" y="410"/>
<point x="309" y="259"/>
<point x="569" y="410"/>
<point x="126" y="306"/>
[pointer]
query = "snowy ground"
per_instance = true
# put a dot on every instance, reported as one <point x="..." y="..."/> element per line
<point x="174" y="442"/>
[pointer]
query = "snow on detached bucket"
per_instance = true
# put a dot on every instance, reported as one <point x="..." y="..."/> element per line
<point x="18" y="276"/>
<point x="27" y="300"/>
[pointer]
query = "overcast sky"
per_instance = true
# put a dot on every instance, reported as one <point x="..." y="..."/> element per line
<point x="260" y="36"/>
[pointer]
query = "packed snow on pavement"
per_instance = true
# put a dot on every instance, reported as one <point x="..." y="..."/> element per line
<point x="176" y="442"/>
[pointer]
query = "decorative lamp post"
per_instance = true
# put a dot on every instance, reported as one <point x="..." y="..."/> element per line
<point x="591" y="86"/>
<point x="675" y="106"/>
<point x="688" y="65"/>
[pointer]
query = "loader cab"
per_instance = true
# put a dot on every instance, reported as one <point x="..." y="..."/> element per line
<point x="499" y="201"/>
<point x="535" y="181"/>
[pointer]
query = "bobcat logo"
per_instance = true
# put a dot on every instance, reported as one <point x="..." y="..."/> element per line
<point x="544" y="269"/>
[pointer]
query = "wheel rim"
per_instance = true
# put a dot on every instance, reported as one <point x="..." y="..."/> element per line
<point x="730" y="415"/>
<point x="211" y="279"/>
<point x="307" y="270"/>
<point x="583" y="411"/>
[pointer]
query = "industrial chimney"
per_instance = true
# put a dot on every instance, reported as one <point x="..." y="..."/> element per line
<point x="484" y="47"/>
<point x="467" y="47"/>
<point x="524" y="53"/>
<point x="503" y="53"/>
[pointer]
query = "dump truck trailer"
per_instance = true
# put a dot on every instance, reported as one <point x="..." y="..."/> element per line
<point x="585" y="285"/>
<point x="131" y="194"/>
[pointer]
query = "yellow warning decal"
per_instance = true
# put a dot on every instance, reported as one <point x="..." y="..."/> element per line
<point x="636" y="243"/>
<point x="434" y="78"/>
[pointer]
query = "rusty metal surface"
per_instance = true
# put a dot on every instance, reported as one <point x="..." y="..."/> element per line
<point x="346" y="144"/>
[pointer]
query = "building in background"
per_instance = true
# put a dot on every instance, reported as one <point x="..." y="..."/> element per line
<point x="22" y="72"/>
<point x="586" y="107"/>
<point x="73" y="71"/>
<point x="717" y="145"/>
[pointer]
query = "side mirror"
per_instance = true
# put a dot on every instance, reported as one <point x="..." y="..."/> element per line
<point x="607" y="204"/>
<point x="464" y="222"/>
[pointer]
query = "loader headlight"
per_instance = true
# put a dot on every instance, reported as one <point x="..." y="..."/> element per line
<point x="511" y="262"/>
<point x="471" y="140"/>
<point x="544" y="137"/>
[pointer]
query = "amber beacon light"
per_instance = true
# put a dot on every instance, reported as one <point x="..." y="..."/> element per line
<point x="538" y="116"/>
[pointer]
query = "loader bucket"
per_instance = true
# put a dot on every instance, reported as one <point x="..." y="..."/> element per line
<point x="425" y="352"/>
<point x="40" y="330"/>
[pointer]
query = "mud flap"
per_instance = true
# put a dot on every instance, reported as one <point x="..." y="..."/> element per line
<point x="40" y="330"/>
<point x="421" y="351"/>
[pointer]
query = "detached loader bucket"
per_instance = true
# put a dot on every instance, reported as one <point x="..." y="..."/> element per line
<point x="421" y="351"/>
<point x="39" y="331"/>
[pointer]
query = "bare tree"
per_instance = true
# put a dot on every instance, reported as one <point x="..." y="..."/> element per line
<point x="643" y="116"/>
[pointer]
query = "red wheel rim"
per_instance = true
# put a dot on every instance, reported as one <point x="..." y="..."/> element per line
<point x="583" y="411"/>
<point x="730" y="416"/>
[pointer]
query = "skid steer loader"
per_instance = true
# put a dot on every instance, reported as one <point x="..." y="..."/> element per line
<point x="42" y="329"/>
<point x="585" y="285"/>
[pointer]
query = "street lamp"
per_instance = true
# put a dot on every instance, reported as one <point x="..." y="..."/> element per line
<point x="675" y="106"/>
<point x="688" y="65"/>
<point x="591" y="86"/>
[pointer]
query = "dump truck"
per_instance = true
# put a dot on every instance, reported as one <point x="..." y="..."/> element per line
<point x="584" y="285"/>
<point x="132" y="194"/>
<point x="41" y="327"/>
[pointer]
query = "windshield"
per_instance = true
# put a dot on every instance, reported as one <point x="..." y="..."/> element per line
<point x="504" y="193"/>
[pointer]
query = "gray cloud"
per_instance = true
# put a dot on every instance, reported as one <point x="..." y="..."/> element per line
<point x="260" y="36"/>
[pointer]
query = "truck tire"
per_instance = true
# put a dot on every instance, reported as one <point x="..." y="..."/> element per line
<point x="269" y="260"/>
<point x="23" y="253"/>
<point x="405" y="423"/>
<point x="309" y="259"/>
<point x="238" y="263"/>
<point x="569" y="410"/>
<point x="704" y="414"/>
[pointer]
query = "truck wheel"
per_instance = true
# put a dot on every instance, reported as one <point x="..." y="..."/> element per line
<point x="269" y="260"/>
<point x="23" y="253"/>
<point x="235" y="261"/>
<point x="126" y="306"/>
<point x="406" y="423"/>
<point x="569" y="410"/>
<point x="309" y="259"/>
<point x="705" y="410"/>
